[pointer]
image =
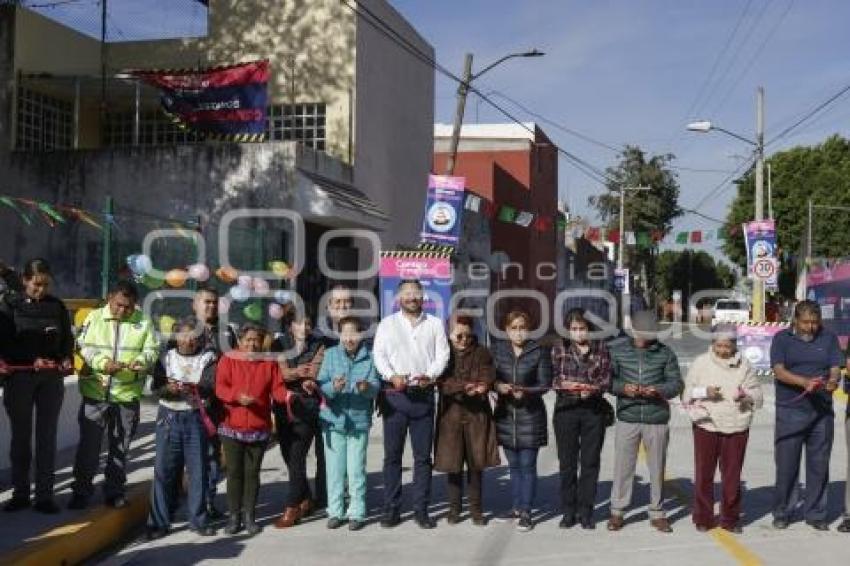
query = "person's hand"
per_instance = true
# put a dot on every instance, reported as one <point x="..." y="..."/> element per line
<point x="518" y="393"/>
<point x="245" y="400"/>
<point x="504" y="388"/>
<point x="630" y="390"/>
<point x="481" y="388"/>
<point x="309" y="386"/>
<point x="649" y="391"/>
<point x="304" y="371"/>
<point x="67" y="365"/>
<point x="362" y="386"/>
<point x="112" y="367"/>
<point x="813" y="385"/>
<point x="4" y="367"/>
<point x="422" y="380"/>
<point x="831" y="385"/>
<point x="399" y="382"/>
<point x="339" y="383"/>
<point x="173" y="387"/>
<point x="136" y="366"/>
<point x="42" y="363"/>
<point x="713" y="392"/>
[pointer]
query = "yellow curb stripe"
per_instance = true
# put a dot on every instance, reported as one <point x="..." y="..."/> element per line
<point x="726" y="540"/>
<point x="733" y="546"/>
<point x="75" y="542"/>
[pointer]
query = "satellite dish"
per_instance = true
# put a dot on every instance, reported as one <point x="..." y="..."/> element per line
<point x="497" y="260"/>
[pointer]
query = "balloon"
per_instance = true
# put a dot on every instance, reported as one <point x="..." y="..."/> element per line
<point x="223" y="305"/>
<point x="253" y="312"/>
<point x="199" y="272"/>
<point x="139" y="264"/>
<point x="282" y="296"/>
<point x="245" y="281"/>
<point x="227" y="274"/>
<point x="239" y="293"/>
<point x="166" y="324"/>
<point x="275" y="311"/>
<point x="260" y="285"/>
<point x="279" y="268"/>
<point x="151" y="282"/>
<point x="176" y="277"/>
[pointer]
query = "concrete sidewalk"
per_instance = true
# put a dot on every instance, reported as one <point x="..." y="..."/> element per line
<point x="34" y="538"/>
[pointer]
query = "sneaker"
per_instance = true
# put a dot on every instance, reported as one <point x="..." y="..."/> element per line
<point x="335" y="523"/>
<point x="213" y="514"/>
<point x="780" y="524"/>
<point x="46" y="506"/>
<point x="390" y="519"/>
<point x="425" y="521"/>
<point x="356" y="524"/>
<point x="524" y="523"/>
<point x="567" y="521"/>
<point x="206" y="531"/>
<point x="152" y="534"/>
<point x="17" y="504"/>
<point x="508" y="516"/>
<point x="844" y="527"/>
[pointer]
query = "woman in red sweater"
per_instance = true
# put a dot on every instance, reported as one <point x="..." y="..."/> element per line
<point x="246" y="385"/>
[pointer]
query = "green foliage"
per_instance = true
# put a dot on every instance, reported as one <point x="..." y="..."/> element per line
<point x="645" y="211"/>
<point x="820" y="172"/>
<point x="690" y="272"/>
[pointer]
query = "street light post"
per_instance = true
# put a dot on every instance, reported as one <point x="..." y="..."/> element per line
<point x="463" y="91"/>
<point x="705" y="126"/>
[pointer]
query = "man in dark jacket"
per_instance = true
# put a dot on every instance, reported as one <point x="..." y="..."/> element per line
<point x="645" y="374"/>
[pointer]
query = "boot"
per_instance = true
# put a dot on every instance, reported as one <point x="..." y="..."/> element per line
<point x="290" y="517"/>
<point x="251" y="526"/>
<point x="234" y="524"/>
<point x="307" y="507"/>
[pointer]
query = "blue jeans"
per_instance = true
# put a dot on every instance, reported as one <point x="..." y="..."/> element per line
<point x="180" y="440"/>
<point x="523" y="468"/>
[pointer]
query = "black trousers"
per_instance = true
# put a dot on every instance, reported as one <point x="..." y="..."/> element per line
<point x="244" y="460"/>
<point x="295" y="439"/>
<point x="43" y="392"/>
<point x="579" y="433"/>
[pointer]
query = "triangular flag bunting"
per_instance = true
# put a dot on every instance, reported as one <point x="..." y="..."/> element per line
<point x="11" y="204"/>
<point x="593" y="234"/>
<point x="614" y="236"/>
<point x="682" y="238"/>
<point x="696" y="237"/>
<point x="51" y="212"/>
<point x="657" y="235"/>
<point x="473" y="203"/>
<point x="562" y="223"/>
<point x="630" y="238"/>
<point x="507" y="213"/>
<point x="524" y="219"/>
<point x="643" y="240"/>
<point x="542" y="224"/>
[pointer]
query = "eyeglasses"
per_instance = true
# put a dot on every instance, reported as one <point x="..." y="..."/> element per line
<point x="462" y="336"/>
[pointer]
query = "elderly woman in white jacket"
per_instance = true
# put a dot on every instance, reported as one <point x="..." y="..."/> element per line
<point x="721" y="393"/>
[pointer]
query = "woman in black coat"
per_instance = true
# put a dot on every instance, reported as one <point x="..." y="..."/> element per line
<point x="523" y="375"/>
<point x="35" y="333"/>
<point x="298" y="424"/>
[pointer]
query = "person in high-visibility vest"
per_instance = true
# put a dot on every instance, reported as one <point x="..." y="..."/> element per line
<point x="119" y="346"/>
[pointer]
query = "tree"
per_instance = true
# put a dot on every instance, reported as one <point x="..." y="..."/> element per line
<point x="820" y="172"/>
<point x="645" y="211"/>
<point x="690" y="272"/>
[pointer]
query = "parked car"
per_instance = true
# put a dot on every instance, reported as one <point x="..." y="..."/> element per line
<point x="730" y="311"/>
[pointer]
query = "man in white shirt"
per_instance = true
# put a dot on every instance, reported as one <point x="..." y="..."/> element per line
<point x="410" y="352"/>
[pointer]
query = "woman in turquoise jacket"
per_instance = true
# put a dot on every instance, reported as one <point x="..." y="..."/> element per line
<point x="349" y="383"/>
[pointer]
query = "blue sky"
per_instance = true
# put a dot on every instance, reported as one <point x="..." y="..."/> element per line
<point x="619" y="71"/>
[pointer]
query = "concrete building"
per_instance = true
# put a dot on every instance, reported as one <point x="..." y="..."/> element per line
<point x="349" y="133"/>
<point x="514" y="165"/>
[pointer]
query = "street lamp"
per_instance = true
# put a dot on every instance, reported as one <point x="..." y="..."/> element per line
<point x="463" y="90"/>
<point x="705" y="126"/>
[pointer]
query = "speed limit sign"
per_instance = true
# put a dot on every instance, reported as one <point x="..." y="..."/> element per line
<point x="764" y="268"/>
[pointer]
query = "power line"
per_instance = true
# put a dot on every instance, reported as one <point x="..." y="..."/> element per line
<point x="809" y="115"/>
<point x="755" y="56"/>
<point x="722" y="184"/>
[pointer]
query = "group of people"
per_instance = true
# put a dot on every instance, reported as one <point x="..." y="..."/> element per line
<point x="225" y="394"/>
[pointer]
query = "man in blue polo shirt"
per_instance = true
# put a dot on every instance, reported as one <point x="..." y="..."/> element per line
<point x="806" y="360"/>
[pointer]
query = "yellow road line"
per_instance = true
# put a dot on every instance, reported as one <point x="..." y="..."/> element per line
<point x="733" y="546"/>
<point x="726" y="540"/>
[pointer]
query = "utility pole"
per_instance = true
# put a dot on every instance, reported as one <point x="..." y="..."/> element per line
<point x="809" y="233"/>
<point x="462" y="91"/>
<point x="103" y="62"/>
<point x="626" y="301"/>
<point x="758" y="284"/>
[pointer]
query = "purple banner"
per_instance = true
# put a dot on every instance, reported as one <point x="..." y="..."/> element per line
<point x="443" y="210"/>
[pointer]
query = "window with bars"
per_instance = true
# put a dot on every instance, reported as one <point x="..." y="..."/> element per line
<point x="304" y="123"/>
<point x="43" y="122"/>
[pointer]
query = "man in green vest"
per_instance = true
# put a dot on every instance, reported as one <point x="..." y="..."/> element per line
<point x="119" y="346"/>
